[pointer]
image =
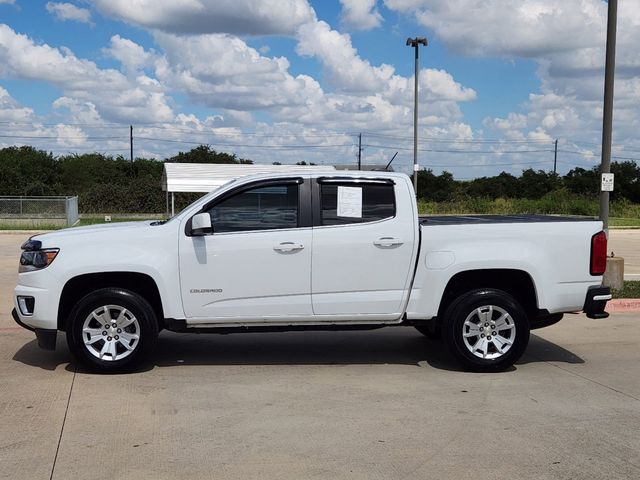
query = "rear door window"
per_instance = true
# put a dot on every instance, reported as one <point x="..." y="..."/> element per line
<point x="356" y="203"/>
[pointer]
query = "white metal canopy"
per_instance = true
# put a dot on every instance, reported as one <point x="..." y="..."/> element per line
<point x="205" y="177"/>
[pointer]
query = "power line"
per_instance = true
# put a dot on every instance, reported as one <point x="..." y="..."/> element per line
<point x="255" y="134"/>
<point x="87" y="149"/>
<point x="31" y="124"/>
<point x="494" y="152"/>
<point x="88" y="138"/>
<point x="486" y="164"/>
<point x="192" y="131"/>
<point x="454" y="140"/>
<point x="247" y="145"/>
<point x="591" y="154"/>
<point x="616" y="157"/>
<point x="121" y="139"/>
<point x="57" y="137"/>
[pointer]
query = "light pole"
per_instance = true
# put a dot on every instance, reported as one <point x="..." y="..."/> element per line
<point x="415" y="43"/>
<point x="607" y="119"/>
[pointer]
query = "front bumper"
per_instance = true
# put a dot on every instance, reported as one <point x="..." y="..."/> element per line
<point x="596" y="301"/>
<point x="45" y="301"/>
<point x="46" y="337"/>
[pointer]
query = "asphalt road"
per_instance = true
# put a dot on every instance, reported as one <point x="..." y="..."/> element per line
<point x="385" y="404"/>
<point x="626" y="244"/>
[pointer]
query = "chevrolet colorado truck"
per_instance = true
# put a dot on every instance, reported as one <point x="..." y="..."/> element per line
<point x="339" y="250"/>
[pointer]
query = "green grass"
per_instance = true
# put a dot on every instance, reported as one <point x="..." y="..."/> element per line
<point x="98" y="220"/>
<point x="43" y="225"/>
<point x="630" y="289"/>
<point x="623" y="213"/>
<point x="560" y="202"/>
<point x="624" y="222"/>
<point x="38" y="227"/>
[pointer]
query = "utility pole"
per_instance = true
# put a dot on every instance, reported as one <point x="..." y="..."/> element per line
<point x="555" y="157"/>
<point x="607" y="119"/>
<point x="360" y="151"/>
<point x="131" y="140"/>
<point x="415" y="43"/>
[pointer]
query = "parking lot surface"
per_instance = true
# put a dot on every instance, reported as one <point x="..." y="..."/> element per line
<point x="384" y="404"/>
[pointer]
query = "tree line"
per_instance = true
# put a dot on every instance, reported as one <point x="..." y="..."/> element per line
<point x="531" y="184"/>
<point x="105" y="184"/>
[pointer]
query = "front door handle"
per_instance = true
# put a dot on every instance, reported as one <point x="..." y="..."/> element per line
<point x="288" y="247"/>
<point x="386" y="242"/>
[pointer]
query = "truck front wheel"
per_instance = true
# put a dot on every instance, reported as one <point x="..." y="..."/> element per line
<point x="110" y="329"/>
<point x="487" y="330"/>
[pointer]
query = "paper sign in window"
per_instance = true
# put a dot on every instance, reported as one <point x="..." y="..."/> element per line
<point x="349" y="202"/>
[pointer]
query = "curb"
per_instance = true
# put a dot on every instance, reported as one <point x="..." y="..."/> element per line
<point x="619" y="305"/>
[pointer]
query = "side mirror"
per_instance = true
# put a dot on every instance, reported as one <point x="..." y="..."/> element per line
<point x="201" y="224"/>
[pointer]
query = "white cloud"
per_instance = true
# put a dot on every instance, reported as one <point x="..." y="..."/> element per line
<point x="440" y="85"/>
<point x="567" y="42"/>
<point x="514" y="121"/>
<point x="224" y="72"/>
<point x="239" y="84"/>
<point x="9" y="2"/>
<point x="360" y="14"/>
<point x="116" y="97"/>
<point x="221" y="71"/>
<point x="69" y="135"/>
<point x="77" y="111"/>
<point x="215" y="70"/>
<point x="343" y="66"/>
<point x="131" y="55"/>
<point x="505" y="27"/>
<point x="12" y="111"/>
<point x="23" y="127"/>
<point x="68" y="11"/>
<point x="368" y="96"/>
<point x="240" y="17"/>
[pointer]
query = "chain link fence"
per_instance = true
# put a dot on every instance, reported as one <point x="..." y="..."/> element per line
<point x="38" y="210"/>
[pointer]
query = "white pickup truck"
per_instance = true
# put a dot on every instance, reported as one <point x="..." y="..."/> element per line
<point x="339" y="250"/>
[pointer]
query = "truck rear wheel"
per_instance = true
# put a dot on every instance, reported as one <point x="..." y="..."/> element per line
<point x="111" y="329"/>
<point x="486" y="330"/>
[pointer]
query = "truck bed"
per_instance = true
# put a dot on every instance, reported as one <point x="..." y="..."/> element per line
<point x="427" y="220"/>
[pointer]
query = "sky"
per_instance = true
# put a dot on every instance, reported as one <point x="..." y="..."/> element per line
<point x="300" y="80"/>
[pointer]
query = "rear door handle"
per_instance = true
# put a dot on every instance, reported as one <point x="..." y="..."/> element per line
<point x="386" y="242"/>
<point x="288" y="247"/>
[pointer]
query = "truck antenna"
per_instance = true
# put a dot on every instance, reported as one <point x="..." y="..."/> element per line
<point x="389" y="164"/>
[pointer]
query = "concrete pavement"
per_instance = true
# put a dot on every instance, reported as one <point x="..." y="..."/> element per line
<point x="626" y="244"/>
<point x="385" y="404"/>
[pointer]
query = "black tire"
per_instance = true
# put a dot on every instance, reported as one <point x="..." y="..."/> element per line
<point x="430" y="330"/>
<point x="132" y="306"/>
<point x="475" y="305"/>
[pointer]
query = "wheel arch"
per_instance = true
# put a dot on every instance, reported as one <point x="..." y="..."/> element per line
<point x="517" y="283"/>
<point x="81" y="285"/>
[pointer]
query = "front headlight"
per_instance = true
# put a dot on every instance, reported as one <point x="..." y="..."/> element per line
<point x="37" y="259"/>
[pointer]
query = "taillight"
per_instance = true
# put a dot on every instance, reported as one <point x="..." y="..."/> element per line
<point x="598" y="254"/>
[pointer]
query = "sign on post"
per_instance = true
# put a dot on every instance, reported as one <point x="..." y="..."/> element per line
<point x="607" y="182"/>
